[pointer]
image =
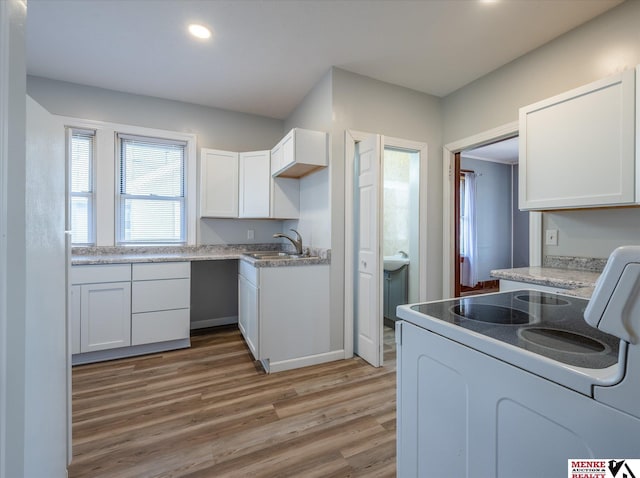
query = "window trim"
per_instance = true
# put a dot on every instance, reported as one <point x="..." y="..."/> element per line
<point x="105" y="171"/>
<point x="70" y="130"/>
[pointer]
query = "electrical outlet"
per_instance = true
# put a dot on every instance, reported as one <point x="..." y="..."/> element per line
<point x="551" y="237"/>
<point x="251" y="234"/>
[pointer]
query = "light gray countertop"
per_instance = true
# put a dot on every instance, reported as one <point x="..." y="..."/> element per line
<point x="123" y="255"/>
<point x="579" y="283"/>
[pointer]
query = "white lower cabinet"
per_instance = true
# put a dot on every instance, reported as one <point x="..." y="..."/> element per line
<point x="101" y="307"/>
<point x="105" y="316"/>
<point x="160" y="302"/>
<point x="283" y="314"/>
<point x="248" y="309"/>
<point x="116" y="306"/>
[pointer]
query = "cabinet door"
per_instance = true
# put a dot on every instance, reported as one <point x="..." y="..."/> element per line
<point x="76" y="292"/>
<point x="248" y="315"/>
<point x="577" y="149"/>
<point x="105" y="317"/>
<point x="160" y="326"/>
<point x="255" y="179"/>
<point x="303" y="151"/>
<point x="288" y="149"/>
<point x="276" y="158"/>
<point x="218" y="183"/>
<point x="154" y="295"/>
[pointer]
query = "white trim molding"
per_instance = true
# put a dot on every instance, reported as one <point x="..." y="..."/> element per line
<point x="448" y="157"/>
<point x="351" y="138"/>
<point x="105" y="186"/>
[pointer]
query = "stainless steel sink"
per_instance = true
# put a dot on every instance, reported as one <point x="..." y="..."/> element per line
<point x="274" y="255"/>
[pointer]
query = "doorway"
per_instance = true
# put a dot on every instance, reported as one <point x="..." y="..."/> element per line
<point x="364" y="256"/>
<point x="490" y="231"/>
<point x="400" y="235"/>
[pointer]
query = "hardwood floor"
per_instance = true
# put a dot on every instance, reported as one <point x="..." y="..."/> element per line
<point x="210" y="411"/>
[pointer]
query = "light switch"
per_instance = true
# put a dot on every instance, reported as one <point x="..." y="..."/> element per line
<point x="251" y="234"/>
<point x="551" y="237"/>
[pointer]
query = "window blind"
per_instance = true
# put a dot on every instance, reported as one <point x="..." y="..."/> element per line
<point x="82" y="194"/>
<point x="151" y="190"/>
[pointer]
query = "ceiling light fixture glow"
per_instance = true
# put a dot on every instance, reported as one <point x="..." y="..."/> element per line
<point x="199" y="31"/>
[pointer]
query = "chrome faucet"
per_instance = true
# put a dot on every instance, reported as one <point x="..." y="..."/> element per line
<point x="296" y="243"/>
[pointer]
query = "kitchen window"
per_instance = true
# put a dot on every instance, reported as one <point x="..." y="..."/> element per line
<point x="81" y="144"/>
<point x="151" y="206"/>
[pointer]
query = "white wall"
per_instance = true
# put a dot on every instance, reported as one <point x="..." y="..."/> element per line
<point x="33" y="408"/>
<point x="45" y="319"/>
<point x="12" y="239"/>
<point x="214" y="127"/>
<point x="594" y="50"/>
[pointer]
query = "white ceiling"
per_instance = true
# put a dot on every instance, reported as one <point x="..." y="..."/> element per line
<point x="505" y="151"/>
<point x="265" y="55"/>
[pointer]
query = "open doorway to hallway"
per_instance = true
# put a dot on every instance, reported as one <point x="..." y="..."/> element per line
<point x="490" y="231"/>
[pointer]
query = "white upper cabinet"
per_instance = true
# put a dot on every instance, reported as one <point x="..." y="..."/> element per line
<point x="577" y="149"/>
<point x="299" y="153"/>
<point x="218" y="183"/>
<point x="255" y="182"/>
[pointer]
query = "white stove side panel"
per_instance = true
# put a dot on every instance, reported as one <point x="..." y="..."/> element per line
<point x="462" y="413"/>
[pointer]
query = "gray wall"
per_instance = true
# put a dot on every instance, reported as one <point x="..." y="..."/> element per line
<point x="315" y="113"/>
<point x="493" y="214"/>
<point x="214" y="127"/>
<point x="363" y="104"/>
<point x="520" y="227"/>
<point x="594" y="50"/>
<point x="341" y="101"/>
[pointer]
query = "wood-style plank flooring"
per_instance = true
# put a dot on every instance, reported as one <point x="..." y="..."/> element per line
<point x="210" y="411"/>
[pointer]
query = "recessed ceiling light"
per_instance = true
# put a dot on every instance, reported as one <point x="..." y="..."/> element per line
<point x="199" y="31"/>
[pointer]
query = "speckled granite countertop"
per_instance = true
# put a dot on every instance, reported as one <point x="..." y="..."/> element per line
<point x="578" y="275"/>
<point x="122" y="255"/>
<point x="577" y="282"/>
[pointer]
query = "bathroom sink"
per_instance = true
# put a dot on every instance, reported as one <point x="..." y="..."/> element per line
<point x="393" y="263"/>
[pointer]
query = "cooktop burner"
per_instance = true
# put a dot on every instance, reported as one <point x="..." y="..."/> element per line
<point x="546" y="324"/>
<point x="542" y="298"/>
<point x="495" y="314"/>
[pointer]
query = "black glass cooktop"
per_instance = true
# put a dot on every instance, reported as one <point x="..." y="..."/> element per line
<point x="543" y="323"/>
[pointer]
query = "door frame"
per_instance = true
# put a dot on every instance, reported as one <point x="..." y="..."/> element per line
<point x="351" y="138"/>
<point x="448" y="193"/>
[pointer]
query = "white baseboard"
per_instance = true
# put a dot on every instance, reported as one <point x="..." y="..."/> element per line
<point x="282" y="365"/>
<point x="203" y="324"/>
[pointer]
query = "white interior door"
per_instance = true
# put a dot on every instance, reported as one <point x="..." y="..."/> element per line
<point x="368" y="343"/>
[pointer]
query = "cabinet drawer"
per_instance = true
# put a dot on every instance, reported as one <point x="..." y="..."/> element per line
<point x="163" y="270"/>
<point x="249" y="272"/>
<point x="94" y="274"/>
<point x="148" y="296"/>
<point x="150" y="327"/>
